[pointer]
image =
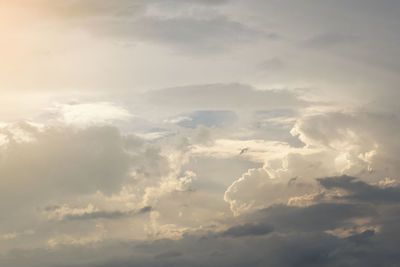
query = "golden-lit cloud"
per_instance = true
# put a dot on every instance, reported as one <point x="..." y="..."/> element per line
<point x="199" y="133"/>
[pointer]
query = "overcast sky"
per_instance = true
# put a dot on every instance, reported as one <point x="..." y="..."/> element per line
<point x="199" y="133"/>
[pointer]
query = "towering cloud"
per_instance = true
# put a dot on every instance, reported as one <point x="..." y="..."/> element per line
<point x="199" y="133"/>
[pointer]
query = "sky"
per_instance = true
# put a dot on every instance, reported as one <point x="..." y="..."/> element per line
<point x="199" y="133"/>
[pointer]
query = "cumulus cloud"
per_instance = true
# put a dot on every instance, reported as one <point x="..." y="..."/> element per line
<point x="64" y="160"/>
<point x="276" y="204"/>
<point x="365" y="140"/>
<point x="268" y="237"/>
<point x="267" y="142"/>
<point x="51" y="172"/>
<point x="336" y="143"/>
<point x="256" y="189"/>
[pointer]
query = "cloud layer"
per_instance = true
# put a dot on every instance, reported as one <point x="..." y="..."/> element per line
<point x="199" y="133"/>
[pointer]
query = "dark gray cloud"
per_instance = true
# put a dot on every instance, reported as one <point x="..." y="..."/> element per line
<point x="279" y="236"/>
<point x="247" y="230"/>
<point x="318" y="217"/>
<point x="106" y="214"/>
<point x="169" y="254"/>
<point x="362" y="191"/>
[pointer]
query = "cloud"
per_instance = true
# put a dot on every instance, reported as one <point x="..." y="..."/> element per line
<point x="271" y="64"/>
<point x="101" y="215"/>
<point x="135" y="21"/>
<point x="331" y="39"/>
<point x="186" y="33"/>
<point x="217" y="174"/>
<point x="90" y="213"/>
<point x="266" y="237"/>
<point x="223" y="97"/>
<point x="209" y="118"/>
<point x="169" y="254"/>
<point x="364" y="140"/>
<point x="335" y="143"/>
<point x="316" y="217"/>
<point x="362" y="191"/>
<point x="84" y="114"/>
<point x="62" y="160"/>
<point x="247" y="230"/>
<point x="62" y="168"/>
<point x="74" y="9"/>
<point x="282" y="179"/>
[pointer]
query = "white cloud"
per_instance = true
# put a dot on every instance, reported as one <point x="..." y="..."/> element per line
<point x="199" y="128"/>
<point x="84" y="114"/>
